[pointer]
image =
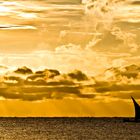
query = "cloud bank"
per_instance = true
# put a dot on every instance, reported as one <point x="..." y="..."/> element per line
<point x="26" y="84"/>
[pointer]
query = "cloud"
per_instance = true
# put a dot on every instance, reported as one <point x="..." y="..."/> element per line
<point x="128" y="38"/>
<point x="116" y="82"/>
<point x="50" y="73"/>
<point x="61" y="82"/>
<point x="130" y="71"/>
<point x="78" y="75"/>
<point x="3" y="67"/>
<point x="42" y="84"/>
<point x="35" y="93"/>
<point x="135" y="2"/>
<point x="43" y="75"/>
<point x="108" y="20"/>
<point x="64" y="58"/>
<point x="118" y="88"/>
<point x="13" y="80"/>
<point x="16" y="27"/>
<point x="125" y="94"/>
<point x="23" y="70"/>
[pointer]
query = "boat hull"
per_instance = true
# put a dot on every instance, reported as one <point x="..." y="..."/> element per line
<point x="131" y="120"/>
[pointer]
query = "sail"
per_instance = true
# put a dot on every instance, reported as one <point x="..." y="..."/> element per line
<point x="137" y="109"/>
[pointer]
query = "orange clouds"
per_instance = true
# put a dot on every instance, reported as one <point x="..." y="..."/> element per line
<point x="24" y="84"/>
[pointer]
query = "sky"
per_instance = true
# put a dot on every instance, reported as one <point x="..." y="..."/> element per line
<point x="69" y="57"/>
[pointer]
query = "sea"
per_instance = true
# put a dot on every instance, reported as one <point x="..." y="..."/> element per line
<point x="68" y="129"/>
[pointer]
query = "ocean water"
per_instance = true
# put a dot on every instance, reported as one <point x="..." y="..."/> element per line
<point x="67" y="129"/>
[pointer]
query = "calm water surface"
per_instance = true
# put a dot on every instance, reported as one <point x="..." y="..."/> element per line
<point x="68" y="128"/>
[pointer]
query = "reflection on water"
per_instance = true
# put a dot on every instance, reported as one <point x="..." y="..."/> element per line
<point x="67" y="128"/>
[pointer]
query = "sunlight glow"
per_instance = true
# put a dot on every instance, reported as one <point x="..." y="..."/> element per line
<point x="4" y="9"/>
<point x="69" y="57"/>
<point x="28" y="15"/>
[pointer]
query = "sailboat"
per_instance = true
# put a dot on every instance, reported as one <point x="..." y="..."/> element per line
<point x="137" y="112"/>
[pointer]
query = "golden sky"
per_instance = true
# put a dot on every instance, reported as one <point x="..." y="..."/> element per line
<point x="69" y="57"/>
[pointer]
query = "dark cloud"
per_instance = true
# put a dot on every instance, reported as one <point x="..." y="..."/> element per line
<point x="44" y="74"/>
<point x="50" y="73"/>
<point x="38" y="81"/>
<point x="35" y="93"/>
<point x="135" y="2"/>
<point x="131" y="71"/>
<point x="125" y="94"/>
<point x="23" y="70"/>
<point x="37" y="86"/>
<point x="51" y="84"/>
<point x="116" y="87"/>
<point x="61" y="82"/>
<point x="34" y="77"/>
<point x="123" y="82"/>
<point x="8" y="95"/>
<point x="78" y="75"/>
<point x="13" y="80"/>
<point x="101" y="84"/>
<point x="50" y="89"/>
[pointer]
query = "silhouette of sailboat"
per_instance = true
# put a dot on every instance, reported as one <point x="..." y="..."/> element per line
<point x="137" y="112"/>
